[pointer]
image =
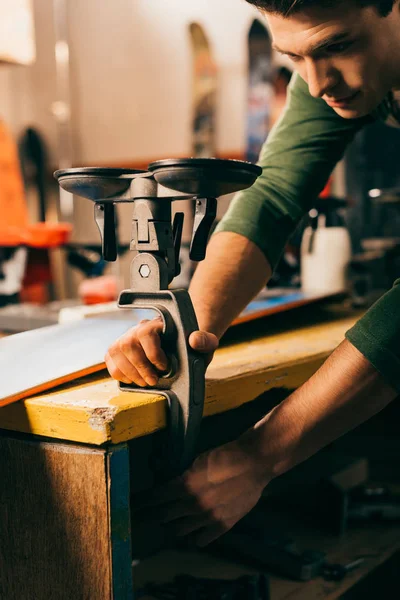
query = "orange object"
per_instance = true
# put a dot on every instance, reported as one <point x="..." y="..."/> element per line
<point x="35" y="235"/>
<point x="13" y="209"/>
<point x="99" y="289"/>
<point x="326" y="192"/>
<point x="15" y="229"/>
<point x="35" y="293"/>
<point x="48" y="235"/>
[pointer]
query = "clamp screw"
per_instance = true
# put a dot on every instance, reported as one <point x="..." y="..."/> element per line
<point x="144" y="271"/>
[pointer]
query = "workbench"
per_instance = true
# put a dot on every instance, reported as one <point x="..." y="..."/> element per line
<point x="72" y="458"/>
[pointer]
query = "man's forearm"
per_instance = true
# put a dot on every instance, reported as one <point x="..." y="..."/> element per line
<point x="234" y="271"/>
<point x="346" y="391"/>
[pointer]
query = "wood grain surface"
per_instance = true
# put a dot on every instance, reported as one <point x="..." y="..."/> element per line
<point x="94" y="411"/>
<point x="54" y="524"/>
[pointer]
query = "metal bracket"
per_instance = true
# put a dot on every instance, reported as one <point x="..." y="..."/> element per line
<point x="104" y="214"/>
<point x="206" y="211"/>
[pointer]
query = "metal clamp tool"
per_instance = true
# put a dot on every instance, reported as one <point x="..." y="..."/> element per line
<point x="156" y="242"/>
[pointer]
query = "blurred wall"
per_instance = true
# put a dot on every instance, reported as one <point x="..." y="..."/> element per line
<point x="27" y="93"/>
<point x="131" y="78"/>
<point x="132" y="69"/>
<point x="131" y="84"/>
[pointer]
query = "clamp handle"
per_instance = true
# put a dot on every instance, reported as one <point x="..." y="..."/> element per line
<point x="184" y="386"/>
<point x="206" y="211"/>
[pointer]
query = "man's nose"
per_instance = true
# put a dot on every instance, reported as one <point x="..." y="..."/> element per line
<point x="321" y="77"/>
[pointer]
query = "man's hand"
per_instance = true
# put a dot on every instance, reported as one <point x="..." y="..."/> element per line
<point x="137" y="356"/>
<point x="219" y="489"/>
<point x="223" y="485"/>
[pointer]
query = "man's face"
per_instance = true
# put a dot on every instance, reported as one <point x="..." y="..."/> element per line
<point x="349" y="56"/>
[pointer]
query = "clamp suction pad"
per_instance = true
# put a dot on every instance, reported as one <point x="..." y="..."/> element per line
<point x="205" y="177"/>
<point x="97" y="183"/>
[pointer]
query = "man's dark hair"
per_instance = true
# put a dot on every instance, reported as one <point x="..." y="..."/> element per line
<point x="288" y="7"/>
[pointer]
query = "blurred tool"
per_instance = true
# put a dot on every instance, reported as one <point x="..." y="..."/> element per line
<point x="373" y="502"/>
<point x="374" y="269"/>
<point x="337" y="572"/>
<point x="33" y="158"/>
<point x="260" y="537"/>
<point x="325" y="248"/>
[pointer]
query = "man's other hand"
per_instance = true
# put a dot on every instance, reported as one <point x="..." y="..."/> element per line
<point x="219" y="489"/>
<point x="137" y="357"/>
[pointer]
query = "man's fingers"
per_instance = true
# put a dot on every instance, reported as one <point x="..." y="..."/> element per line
<point x="210" y="534"/>
<point x="159" y="495"/>
<point x="114" y="371"/>
<point x="202" y="341"/>
<point x="134" y="353"/>
<point x="122" y="370"/>
<point x="130" y="372"/>
<point x="178" y="510"/>
<point x="189" y="524"/>
<point x="171" y="512"/>
<point x="138" y="357"/>
<point x="151" y="344"/>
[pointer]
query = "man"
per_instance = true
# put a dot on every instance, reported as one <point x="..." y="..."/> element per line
<point x="347" y="55"/>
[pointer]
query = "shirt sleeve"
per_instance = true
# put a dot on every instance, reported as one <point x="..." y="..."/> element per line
<point x="297" y="159"/>
<point x="377" y="335"/>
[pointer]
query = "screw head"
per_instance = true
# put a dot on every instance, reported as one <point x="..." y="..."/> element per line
<point x="144" y="271"/>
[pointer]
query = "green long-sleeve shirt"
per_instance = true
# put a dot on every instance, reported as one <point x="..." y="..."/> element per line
<point x="297" y="159"/>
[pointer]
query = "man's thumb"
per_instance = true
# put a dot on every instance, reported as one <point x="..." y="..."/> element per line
<point x="202" y="341"/>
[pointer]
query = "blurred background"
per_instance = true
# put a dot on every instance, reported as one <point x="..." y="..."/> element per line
<point x="123" y="83"/>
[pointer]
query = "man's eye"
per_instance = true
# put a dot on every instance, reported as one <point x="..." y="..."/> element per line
<point x="338" y="48"/>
